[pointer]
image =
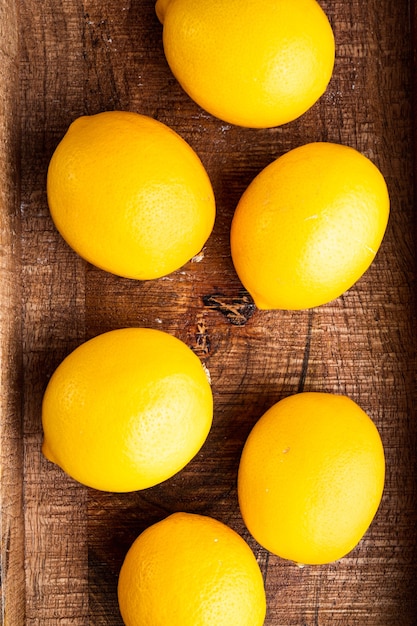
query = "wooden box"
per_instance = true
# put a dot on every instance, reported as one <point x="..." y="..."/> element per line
<point x="62" y="544"/>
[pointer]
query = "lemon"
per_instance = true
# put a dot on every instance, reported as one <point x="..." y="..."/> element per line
<point x="309" y="226"/>
<point x="311" y="477"/>
<point x="255" y="63"/>
<point x="126" y="410"/>
<point x="129" y="195"/>
<point x="191" y="570"/>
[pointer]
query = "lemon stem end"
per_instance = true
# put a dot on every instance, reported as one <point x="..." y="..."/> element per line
<point x="161" y="8"/>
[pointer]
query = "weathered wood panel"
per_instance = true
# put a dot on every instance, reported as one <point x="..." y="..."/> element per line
<point x="63" y="544"/>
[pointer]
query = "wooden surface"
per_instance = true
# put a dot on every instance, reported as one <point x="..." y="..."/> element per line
<point x="63" y="544"/>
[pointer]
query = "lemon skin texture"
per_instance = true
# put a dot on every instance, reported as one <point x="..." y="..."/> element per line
<point x="191" y="570"/>
<point x="129" y="195"/>
<point x="309" y="226"/>
<point x="126" y="410"/>
<point x="311" y="477"/>
<point x="255" y="64"/>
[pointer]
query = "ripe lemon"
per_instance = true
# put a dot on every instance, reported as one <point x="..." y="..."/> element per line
<point x="191" y="570"/>
<point x="129" y="195"/>
<point x="311" y="477"/>
<point x="251" y="63"/>
<point x="126" y="410"/>
<point x="308" y="226"/>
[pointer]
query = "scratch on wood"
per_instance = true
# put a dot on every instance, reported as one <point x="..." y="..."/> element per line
<point x="237" y="309"/>
<point x="263" y="561"/>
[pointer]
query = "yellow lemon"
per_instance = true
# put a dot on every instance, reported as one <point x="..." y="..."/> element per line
<point x="311" y="477"/>
<point x="129" y="195"/>
<point x="257" y="63"/>
<point x="308" y="226"/>
<point x="126" y="410"/>
<point x="191" y="570"/>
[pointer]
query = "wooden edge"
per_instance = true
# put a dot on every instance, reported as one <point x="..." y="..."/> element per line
<point x="12" y="596"/>
<point x="413" y="28"/>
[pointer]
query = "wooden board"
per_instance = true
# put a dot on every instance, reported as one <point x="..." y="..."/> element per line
<point x="63" y="544"/>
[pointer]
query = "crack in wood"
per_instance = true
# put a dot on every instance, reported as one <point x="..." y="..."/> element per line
<point x="203" y="343"/>
<point x="237" y="309"/>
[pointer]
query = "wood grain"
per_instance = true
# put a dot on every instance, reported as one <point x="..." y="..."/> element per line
<point x="12" y="580"/>
<point x="63" y="544"/>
